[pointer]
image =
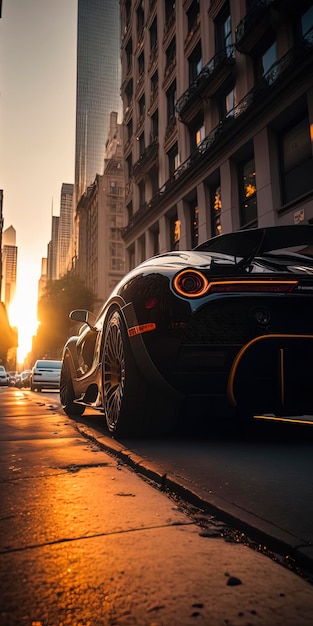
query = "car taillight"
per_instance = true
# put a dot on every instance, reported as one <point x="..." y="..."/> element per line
<point x="193" y="284"/>
<point x="190" y="283"/>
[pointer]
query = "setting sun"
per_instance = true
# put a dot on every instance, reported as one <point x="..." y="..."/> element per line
<point x="23" y="315"/>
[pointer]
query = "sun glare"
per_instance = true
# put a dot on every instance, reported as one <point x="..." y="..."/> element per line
<point x="23" y="315"/>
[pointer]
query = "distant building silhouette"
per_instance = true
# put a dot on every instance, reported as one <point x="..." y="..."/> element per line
<point x="101" y="262"/>
<point x="42" y="282"/>
<point x="9" y="264"/>
<point x="52" y="264"/>
<point x="98" y="87"/>
<point x="65" y="229"/>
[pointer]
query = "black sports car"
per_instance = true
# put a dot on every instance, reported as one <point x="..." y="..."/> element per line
<point x="227" y="326"/>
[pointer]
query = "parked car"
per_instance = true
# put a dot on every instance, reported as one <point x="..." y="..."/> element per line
<point x="227" y="327"/>
<point x="45" y="375"/>
<point x="3" y="377"/>
<point x="12" y="375"/>
<point x="23" y="379"/>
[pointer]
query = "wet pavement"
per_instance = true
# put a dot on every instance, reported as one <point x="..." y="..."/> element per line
<point x="85" y="541"/>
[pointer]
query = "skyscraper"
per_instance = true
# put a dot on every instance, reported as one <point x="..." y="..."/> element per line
<point x="65" y="228"/>
<point x="9" y="263"/>
<point x="98" y="86"/>
<point x="52" y="263"/>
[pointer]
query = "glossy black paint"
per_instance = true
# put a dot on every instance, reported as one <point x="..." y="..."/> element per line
<point x="193" y="350"/>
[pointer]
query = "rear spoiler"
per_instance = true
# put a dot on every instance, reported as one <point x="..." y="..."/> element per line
<point x="252" y="242"/>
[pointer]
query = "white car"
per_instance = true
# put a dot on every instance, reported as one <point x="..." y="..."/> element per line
<point x="45" y="375"/>
<point x="3" y="376"/>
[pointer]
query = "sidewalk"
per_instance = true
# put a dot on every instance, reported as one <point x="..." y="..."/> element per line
<point x="86" y="542"/>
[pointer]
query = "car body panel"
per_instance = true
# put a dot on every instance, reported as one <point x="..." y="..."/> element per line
<point x="220" y="342"/>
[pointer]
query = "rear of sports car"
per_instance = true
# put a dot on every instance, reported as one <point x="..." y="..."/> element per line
<point x="248" y="345"/>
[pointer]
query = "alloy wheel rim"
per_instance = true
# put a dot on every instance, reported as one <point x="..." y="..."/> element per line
<point x="114" y="374"/>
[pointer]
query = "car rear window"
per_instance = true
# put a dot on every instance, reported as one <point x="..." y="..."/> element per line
<point x="49" y="365"/>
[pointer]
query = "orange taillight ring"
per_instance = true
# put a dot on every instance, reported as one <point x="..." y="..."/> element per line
<point x="190" y="283"/>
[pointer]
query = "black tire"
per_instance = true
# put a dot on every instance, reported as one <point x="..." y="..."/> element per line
<point x="67" y="395"/>
<point x="131" y="406"/>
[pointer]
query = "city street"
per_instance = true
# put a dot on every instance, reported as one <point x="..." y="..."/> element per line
<point x="86" y="541"/>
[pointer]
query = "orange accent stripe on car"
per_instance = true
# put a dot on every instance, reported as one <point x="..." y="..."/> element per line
<point x="142" y="328"/>
<point x="230" y="384"/>
<point x="282" y="377"/>
<point x="214" y="283"/>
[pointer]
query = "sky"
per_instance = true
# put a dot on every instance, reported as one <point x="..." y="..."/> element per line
<point x="37" y="131"/>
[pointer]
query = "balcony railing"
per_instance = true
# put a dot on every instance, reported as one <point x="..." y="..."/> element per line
<point x="206" y="77"/>
<point x="148" y="156"/>
<point x="246" y="31"/>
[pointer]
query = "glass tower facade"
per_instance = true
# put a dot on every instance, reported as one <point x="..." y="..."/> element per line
<point x="65" y="228"/>
<point x="98" y="86"/>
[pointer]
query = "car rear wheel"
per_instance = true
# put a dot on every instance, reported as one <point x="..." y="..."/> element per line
<point x="67" y="395"/>
<point x="132" y="407"/>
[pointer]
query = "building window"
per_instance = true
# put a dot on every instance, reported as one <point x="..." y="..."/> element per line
<point x="307" y="24"/>
<point x="193" y="16"/>
<point x="230" y="103"/>
<point x="195" y="63"/>
<point x="129" y="55"/>
<point x="216" y="204"/>
<point x="128" y="10"/>
<point x="154" y="86"/>
<point x="142" y="248"/>
<point x="174" y="224"/>
<point x="223" y="35"/>
<point x="265" y="61"/>
<point x="141" y="64"/>
<point x="129" y="92"/>
<point x="130" y="129"/>
<point x="142" y="195"/>
<point x="194" y="223"/>
<point x="117" y="264"/>
<point x="140" y="20"/>
<point x="115" y="234"/>
<point x="247" y="192"/>
<point x="141" y="141"/>
<point x="172" y="160"/>
<point x="269" y="58"/>
<point x="197" y="132"/>
<point x="131" y="257"/>
<point x="155" y="241"/>
<point x="153" y="35"/>
<point x="169" y="8"/>
<point x="171" y="99"/>
<point x="141" y="106"/>
<point x="155" y="126"/>
<point x="297" y="161"/>
<point x="130" y="211"/>
<point x="129" y="162"/>
<point x="170" y="55"/>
